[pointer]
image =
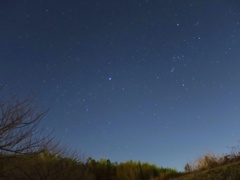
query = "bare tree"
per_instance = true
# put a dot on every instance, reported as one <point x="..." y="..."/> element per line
<point x="19" y="133"/>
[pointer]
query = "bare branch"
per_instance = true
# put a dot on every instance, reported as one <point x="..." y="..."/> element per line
<point x="19" y="133"/>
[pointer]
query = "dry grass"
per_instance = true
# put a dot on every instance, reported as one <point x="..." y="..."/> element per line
<point x="212" y="166"/>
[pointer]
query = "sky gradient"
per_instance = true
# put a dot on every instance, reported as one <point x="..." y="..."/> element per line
<point x="148" y="80"/>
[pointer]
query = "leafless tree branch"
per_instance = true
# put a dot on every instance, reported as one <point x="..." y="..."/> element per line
<point x="19" y="133"/>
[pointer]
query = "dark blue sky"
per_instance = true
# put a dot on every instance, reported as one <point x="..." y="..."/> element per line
<point x="149" y="80"/>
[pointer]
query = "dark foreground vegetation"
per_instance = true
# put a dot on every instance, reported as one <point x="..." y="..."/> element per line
<point x="46" y="166"/>
<point x="27" y="153"/>
<point x="213" y="167"/>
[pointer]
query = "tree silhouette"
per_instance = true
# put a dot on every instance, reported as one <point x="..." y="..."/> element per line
<point x="19" y="131"/>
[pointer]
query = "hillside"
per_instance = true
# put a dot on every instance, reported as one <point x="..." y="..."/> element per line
<point x="230" y="171"/>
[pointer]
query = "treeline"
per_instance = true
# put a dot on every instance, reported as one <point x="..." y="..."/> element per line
<point x="30" y="153"/>
<point x="46" y="166"/>
<point x="104" y="169"/>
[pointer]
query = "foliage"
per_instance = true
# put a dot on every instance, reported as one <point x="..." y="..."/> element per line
<point x="39" y="167"/>
<point x="46" y="166"/>
<point x="104" y="169"/>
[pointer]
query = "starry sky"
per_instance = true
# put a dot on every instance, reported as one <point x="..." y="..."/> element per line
<point x="149" y="80"/>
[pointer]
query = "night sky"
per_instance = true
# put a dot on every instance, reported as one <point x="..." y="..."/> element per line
<point x="149" y="80"/>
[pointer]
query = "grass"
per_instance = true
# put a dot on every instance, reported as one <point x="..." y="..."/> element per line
<point x="213" y="167"/>
<point x="230" y="171"/>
